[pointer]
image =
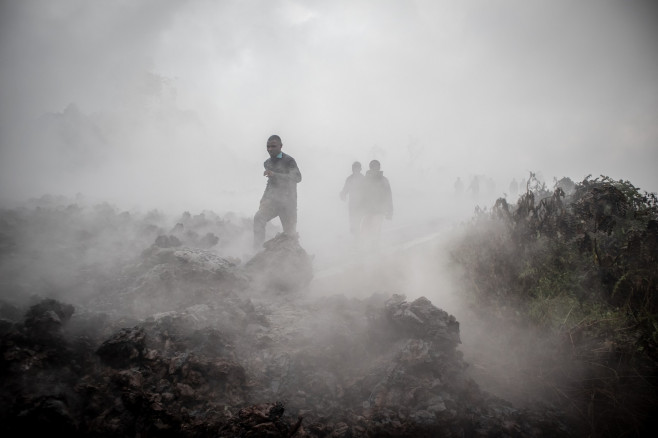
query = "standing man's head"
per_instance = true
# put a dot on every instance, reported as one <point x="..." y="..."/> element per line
<point x="274" y="145"/>
<point x="356" y="167"/>
<point x="374" y="165"/>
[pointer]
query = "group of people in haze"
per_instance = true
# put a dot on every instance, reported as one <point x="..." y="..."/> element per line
<point x="370" y="198"/>
<point x="369" y="202"/>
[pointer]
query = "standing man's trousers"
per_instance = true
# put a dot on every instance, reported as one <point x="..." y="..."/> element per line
<point x="286" y="211"/>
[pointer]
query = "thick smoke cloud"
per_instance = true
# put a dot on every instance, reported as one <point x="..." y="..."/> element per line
<point x="169" y="103"/>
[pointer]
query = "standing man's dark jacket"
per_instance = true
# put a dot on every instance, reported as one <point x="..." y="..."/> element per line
<point x="282" y="186"/>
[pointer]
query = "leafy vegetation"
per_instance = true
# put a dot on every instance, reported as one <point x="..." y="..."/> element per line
<point x="580" y="263"/>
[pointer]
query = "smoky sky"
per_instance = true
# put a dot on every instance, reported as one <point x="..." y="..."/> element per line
<point x="170" y="103"/>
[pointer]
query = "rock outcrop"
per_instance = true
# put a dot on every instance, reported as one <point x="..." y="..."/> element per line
<point x="183" y="342"/>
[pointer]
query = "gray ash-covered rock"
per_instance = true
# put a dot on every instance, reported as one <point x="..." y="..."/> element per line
<point x="167" y="241"/>
<point x="338" y="367"/>
<point x="282" y="267"/>
<point x="173" y="278"/>
<point x="182" y="341"/>
<point x="421" y="319"/>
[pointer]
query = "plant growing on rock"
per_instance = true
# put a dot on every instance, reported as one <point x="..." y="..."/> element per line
<point x="581" y="264"/>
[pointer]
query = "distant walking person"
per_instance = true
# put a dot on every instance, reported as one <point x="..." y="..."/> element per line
<point x="459" y="186"/>
<point x="353" y="189"/>
<point x="377" y="204"/>
<point x="280" y="196"/>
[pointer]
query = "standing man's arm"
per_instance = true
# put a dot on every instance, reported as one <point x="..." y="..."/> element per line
<point x="267" y="172"/>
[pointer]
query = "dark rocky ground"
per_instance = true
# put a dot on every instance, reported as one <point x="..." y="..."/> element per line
<point x="180" y="339"/>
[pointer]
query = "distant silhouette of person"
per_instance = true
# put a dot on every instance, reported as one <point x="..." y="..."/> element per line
<point x="353" y="192"/>
<point x="280" y="196"/>
<point x="459" y="186"/>
<point x="377" y="204"/>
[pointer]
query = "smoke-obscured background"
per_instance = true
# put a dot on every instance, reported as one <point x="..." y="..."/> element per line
<point x="168" y="104"/>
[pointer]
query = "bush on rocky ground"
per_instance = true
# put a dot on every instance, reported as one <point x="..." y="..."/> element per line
<point x="580" y="265"/>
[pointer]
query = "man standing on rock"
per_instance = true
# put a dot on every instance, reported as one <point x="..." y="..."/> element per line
<point x="280" y="196"/>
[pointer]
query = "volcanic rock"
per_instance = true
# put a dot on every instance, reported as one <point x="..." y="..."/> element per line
<point x="282" y="267"/>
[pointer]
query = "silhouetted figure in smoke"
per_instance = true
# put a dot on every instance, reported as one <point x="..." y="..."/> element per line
<point x="353" y="189"/>
<point x="280" y="196"/>
<point x="459" y="186"/>
<point x="377" y="204"/>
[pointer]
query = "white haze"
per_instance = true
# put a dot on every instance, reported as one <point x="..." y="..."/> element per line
<point x="171" y="102"/>
<point x="167" y="104"/>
